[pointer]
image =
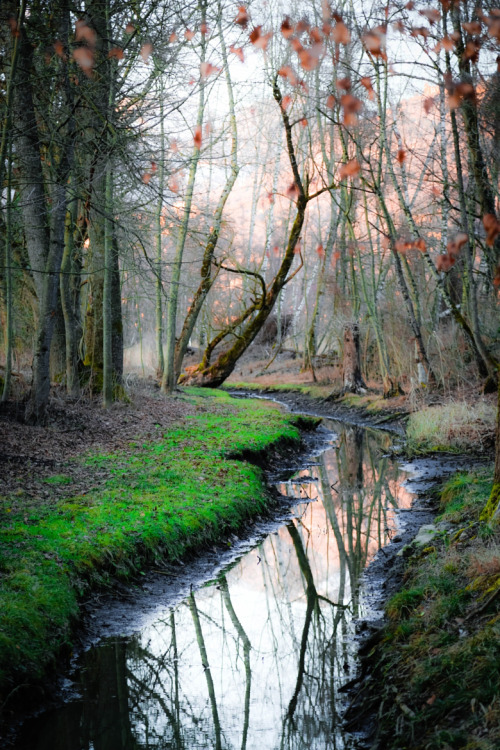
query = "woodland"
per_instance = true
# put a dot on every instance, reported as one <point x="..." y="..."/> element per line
<point x="186" y="175"/>
<point x="189" y="185"/>
<point x="175" y="174"/>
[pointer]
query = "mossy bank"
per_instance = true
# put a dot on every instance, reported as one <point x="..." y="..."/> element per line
<point x="162" y="500"/>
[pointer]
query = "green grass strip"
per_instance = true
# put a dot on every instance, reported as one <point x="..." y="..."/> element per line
<point x="163" y="500"/>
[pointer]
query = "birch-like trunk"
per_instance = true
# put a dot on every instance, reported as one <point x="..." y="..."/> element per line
<point x="169" y="374"/>
<point x="207" y="278"/>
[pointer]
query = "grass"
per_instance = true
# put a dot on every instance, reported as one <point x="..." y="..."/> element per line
<point x="315" y="391"/>
<point x="455" y="427"/>
<point x="437" y="670"/>
<point x="163" y="500"/>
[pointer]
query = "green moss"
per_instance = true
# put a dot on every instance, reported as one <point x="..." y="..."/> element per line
<point x="492" y="504"/>
<point x="163" y="499"/>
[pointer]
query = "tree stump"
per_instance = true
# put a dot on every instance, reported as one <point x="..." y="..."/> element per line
<point x="353" y="380"/>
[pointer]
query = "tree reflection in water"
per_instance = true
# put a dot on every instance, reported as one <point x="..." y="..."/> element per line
<point x="254" y="659"/>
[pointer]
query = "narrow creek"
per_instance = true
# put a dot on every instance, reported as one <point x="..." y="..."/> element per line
<point x="253" y="658"/>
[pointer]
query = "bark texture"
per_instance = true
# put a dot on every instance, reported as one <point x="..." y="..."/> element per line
<point x="353" y="379"/>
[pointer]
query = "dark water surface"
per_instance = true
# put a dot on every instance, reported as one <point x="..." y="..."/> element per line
<point x="254" y="659"/>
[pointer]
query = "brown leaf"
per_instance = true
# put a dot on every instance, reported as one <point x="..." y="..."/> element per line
<point x="366" y="82"/>
<point x="287" y="28"/>
<point x="344" y="83"/>
<point x="456" y="244"/>
<point x="238" y="51"/>
<point x="432" y="15"/>
<point x="374" y="42"/>
<point x="492" y="227"/>
<point x="207" y="69"/>
<point x="84" y="57"/>
<point x="197" y="137"/>
<point x="349" y="169"/>
<point x="242" y="18"/>
<point x="83" y="33"/>
<point x="116" y="53"/>
<point x="340" y="34"/>
<point x="258" y="39"/>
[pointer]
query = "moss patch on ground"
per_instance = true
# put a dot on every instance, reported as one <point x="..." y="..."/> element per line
<point x="163" y="500"/>
<point x="436" y="673"/>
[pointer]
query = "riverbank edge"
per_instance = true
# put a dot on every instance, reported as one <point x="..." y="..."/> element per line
<point x="445" y="428"/>
<point x="429" y="676"/>
<point x="429" y="670"/>
<point x="53" y="558"/>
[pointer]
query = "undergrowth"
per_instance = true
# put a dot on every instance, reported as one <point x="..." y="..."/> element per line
<point x="455" y="427"/>
<point x="437" y="674"/>
<point x="162" y="500"/>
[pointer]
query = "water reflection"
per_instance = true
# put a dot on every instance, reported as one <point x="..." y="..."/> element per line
<point x="253" y="660"/>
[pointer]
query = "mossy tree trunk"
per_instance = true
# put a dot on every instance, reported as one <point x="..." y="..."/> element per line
<point x="214" y="375"/>
<point x="491" y="511"/>
<point x="69" y="305"/>
<point x="44" y="228"/>
<point x="9" y="323"/>
<point x="257" y="313"/>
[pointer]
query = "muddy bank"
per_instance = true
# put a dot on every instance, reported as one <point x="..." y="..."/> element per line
<point x="392" y="420"/>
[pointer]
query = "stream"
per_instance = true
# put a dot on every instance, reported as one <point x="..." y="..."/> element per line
<point x="251" y="655"/>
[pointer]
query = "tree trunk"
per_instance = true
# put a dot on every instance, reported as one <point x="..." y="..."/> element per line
<point x="169" y="375"/>
<point x="160" y="360"/>
<point x="491" y="511"/>
<point x="116" y="320"/>
<point x="48" y="243"/>
<point x="214" y="375"/>
<point x="9" y="327"/>
<point x="107" y="347"/>
<point x="37" y="405"/>
<point x="69" y="313"/>
<point x="353" y="380"/>
<point x="32" y="190"/>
